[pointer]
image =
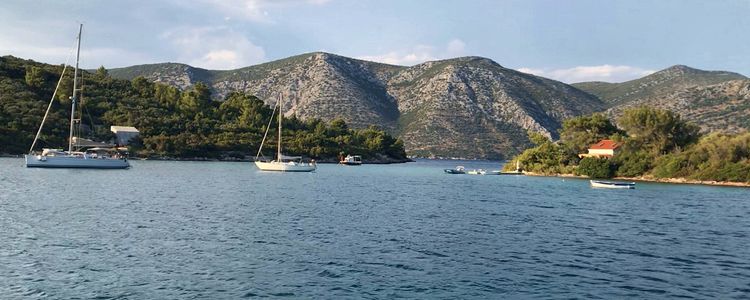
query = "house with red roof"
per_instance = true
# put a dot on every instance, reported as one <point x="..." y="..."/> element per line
<point x="604" y="148"/>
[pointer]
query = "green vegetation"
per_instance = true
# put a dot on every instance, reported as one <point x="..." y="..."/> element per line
<point x="716" y="156"/>
<point x="546" y="158"/>
<point x="596" y="167"/>
<point x="578" y="133"/>
<point x="653" y="143"/>
<point x="173" y="123"/>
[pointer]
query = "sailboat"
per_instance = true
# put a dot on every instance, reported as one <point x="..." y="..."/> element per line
<point x="98" y="158"/>
<point x="282" y="163"/>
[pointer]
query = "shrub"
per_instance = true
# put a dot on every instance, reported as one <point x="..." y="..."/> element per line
<point x="596" y="167"/>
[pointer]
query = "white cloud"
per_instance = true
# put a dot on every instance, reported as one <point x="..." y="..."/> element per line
<point x="254" y="10"/>
<point x="214" y="47"/>
<point x="419" y="54"/>
<point x="607" y="73"/>
<point x="456" y="47"/>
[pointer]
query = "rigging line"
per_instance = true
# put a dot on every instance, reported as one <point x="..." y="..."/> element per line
<point x="266" y="134"/>
<point x="62" y="75"/>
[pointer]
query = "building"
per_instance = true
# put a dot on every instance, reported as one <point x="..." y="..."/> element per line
<point x="604" y="148"/>
<point x="124" y="134"/>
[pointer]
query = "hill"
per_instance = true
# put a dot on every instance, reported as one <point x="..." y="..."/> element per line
<point x="661" y="83"/>
<point x="172" y="123"/>
<point x="722" y="107"/>
<point x="463" y="107"/>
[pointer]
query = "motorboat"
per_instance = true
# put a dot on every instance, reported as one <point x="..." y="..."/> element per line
<point x="457" y="170"/>
<point x="351" y="160"/>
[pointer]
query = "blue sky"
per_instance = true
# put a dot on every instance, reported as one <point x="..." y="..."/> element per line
<point x="570" y="41"/>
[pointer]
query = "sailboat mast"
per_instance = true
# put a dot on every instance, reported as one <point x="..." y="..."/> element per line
<point x="73" y="98"/>
<point x="278" y="149"/>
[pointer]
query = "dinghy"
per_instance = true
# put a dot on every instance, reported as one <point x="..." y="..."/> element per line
<point x="612" y="184"/>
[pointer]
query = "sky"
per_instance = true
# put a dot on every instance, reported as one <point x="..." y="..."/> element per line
<point x="570" y="41"/>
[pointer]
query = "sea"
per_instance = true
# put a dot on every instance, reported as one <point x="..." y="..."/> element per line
<point x="224" y="230"/>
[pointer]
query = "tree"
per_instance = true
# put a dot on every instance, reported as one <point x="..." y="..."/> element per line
<point x="580" y="132"/>
<point x="596" y="167"/>
<point x="538" y="138"/>
<point x="34" y="76"/>
<point x="102" y="73"/>
<point x="196" y="99"/>
<point x="656" y="130"/>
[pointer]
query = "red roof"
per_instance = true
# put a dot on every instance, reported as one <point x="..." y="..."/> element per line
<point x="605" y="144"/>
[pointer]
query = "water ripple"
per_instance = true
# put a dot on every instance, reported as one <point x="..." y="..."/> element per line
<point x="176" y="230"/>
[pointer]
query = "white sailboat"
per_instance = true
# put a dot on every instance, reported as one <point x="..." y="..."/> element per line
<point x="282" y="163"/>
<point x="73" y="158"/>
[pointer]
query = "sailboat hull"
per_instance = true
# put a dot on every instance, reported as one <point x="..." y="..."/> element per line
<point x="285" y="166"/>
<point x="38" y="161"/>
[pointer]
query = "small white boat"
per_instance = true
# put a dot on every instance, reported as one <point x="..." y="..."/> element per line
<point x="351" y="160"/>
<point x="457" y="170"/>
<point x="612" y="184"/>
<point x="282" y="163"/>
<point x="492" y="172"/>
<point x="286" y="166"/>
<point x="475" y="172"/>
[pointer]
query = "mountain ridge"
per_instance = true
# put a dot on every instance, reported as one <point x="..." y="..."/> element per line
<point x="656" y="84"/>
<point x="464" y="106"/>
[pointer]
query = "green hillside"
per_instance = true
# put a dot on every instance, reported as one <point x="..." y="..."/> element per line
<point x="173" y="123"/>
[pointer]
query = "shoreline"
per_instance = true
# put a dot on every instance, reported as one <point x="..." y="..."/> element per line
<point x="384" y="161"/>
<point x="322" y="161"/>
<point x="652" y="179"/>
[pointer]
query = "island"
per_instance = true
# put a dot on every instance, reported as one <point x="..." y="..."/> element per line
<point x="646" y="144"/>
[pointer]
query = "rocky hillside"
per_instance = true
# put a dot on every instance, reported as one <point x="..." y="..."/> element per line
<point x="463" y="107"/>
<point x="474" y="105"/>
<point x="658" y="84"/>
<point x="179" y="75"/>
<point x="719" y="107"/>
<point x="715" y="100"/>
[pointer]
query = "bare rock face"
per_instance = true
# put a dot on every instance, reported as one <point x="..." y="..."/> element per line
<point x="714" y="100"/>
<point x="721" y="107"/>
<point x="464" y="107"/>
<point x="484" y="108"/>
<point x="658" y="84"/>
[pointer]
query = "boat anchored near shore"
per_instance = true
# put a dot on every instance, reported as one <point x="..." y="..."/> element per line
<point x="351" y="160"/>
<point x="74" y="157"/>
<point x="282" y="163"/>
<point x="611" y="184"/>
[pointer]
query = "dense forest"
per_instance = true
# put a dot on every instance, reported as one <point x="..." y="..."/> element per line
<point x="654" y="143"/>
<point x="172" y="123"/>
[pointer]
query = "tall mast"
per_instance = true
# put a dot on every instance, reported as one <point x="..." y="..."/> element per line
<point x="278" y="149"/>
<point x="73" y="98"/>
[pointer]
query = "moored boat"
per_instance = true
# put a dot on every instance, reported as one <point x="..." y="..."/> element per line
<point x="457" y="170"/>
<point x="282" y="163"/>
<point x="475" y="172"/>
<point x="351" y="160"/>
<point x="612" y="184"/>
<point x="74" y="157"/>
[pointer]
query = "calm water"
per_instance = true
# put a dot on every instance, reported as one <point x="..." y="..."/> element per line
<point x="165" y="230"/>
